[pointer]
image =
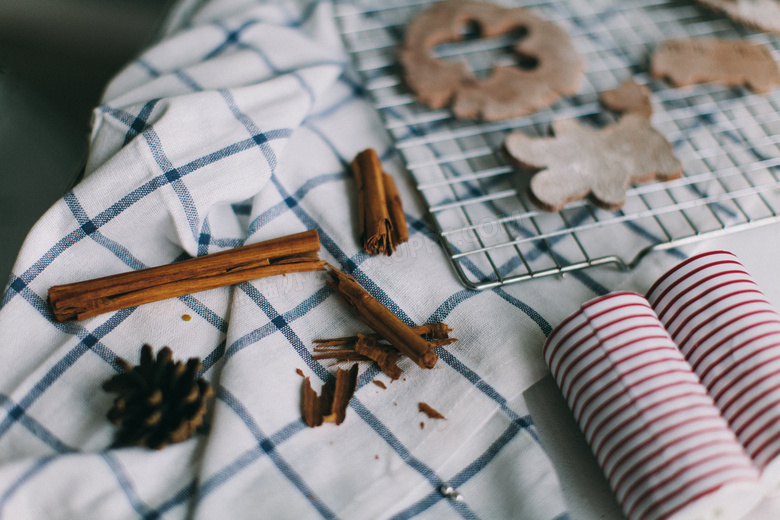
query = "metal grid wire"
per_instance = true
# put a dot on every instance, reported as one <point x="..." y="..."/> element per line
<point x="726" y="138"/>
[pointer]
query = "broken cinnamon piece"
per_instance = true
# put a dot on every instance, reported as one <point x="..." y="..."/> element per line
<point x="381" y="222"/>
<point x="329" y="349"/>
<point x="437" y="332"/>
<point x="380" y="384"/>
<point x="382" y="320"/>
<point x="346" y="383"/>
<point x="396" y="211"/>
<point x="331" y="405"/>
<point x="386" y="357"/>
<point x="429" y="411"/>
<point x="312" y="413"/>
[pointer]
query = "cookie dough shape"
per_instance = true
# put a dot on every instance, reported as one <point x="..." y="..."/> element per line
<point x="728" y="62"/>
<point x="629" y="97"/>
<point x="580" y="161"/>
<point x="508" y="91"/>
<point x="763" y="15"/>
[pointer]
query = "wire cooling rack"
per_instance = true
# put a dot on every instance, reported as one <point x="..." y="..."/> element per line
<point x="726" y="138"/>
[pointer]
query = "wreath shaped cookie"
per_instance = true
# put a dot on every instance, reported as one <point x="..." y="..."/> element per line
<point x="508" y="91"/>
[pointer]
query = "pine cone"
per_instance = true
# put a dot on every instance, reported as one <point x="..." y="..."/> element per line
<point x="160" y="401"/>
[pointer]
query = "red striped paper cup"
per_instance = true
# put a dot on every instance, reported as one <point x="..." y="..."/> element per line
<point x="730" y="334"/>
<point x="664" y="447"/>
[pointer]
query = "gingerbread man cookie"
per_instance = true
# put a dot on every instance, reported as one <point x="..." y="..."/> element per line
<point x="580" y="161"/>
<point x="508" y="91"/>
<point x="729" y="62"/>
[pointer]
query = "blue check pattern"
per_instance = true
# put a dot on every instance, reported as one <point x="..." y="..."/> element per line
<point x="238" y="126"/>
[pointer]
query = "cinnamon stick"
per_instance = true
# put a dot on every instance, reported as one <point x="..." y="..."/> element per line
<point x="290" y="254"/>
<point x="381" y="221"/>
<point x="382" y="320"/>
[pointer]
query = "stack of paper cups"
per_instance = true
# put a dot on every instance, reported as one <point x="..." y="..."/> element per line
<point x="661" y="442"/>
<point x="730" y="334"/>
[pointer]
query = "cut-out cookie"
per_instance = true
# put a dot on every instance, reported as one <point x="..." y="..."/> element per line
<point x="763" y="15"/>
<point x="579" y="161"/>
<point x="728" y="62"/>
<point x="628" y="98"/>
<point x="508" y="91"/>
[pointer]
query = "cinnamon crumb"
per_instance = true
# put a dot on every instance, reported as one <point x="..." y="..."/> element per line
<point x="376" y="457"/>
<point x="299" y="372"/>
<point x="422" y="425"/>
<point x="380" y="384"/>
<point x="429" y="411"/>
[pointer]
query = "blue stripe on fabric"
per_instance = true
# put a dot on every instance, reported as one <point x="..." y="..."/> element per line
<point x="91" y="230"/>
<point x="204" y="238"/>
<point x="465" y="474"/>
<point x="281" y="323"/>
<point x="139" y="123"/>
<point x="279" y="208"/>
<point x="308" y="12"/>
<point x="481" y="385"/>
<point x="211" y="317"/>
<point x="173" y="177"/>
<point x="152" y="71"/>
<point x="137" y="504"/>
<point x="36" y="468"/>
<point x="357" y="91"/>
<point x="231" y="38"/>
<point x="88" y="342"/>
<point x="38" y="429"/>
<point x="259" y="138"/>
<point x="190" y="491"/>
<point x="269" y="448"/>
<point x="401" y="450"/>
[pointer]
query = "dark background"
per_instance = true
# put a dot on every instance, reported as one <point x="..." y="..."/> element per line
<point x="56" y="57"/>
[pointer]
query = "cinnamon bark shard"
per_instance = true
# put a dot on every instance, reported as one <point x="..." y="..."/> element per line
<point x="331" y="404"/>
<point x="429" y="411"/>
<point x="382" y="320"/>
<point x="367" y="347"/>
<point x="386" y="357"/>
<point x="381" y="221"/>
